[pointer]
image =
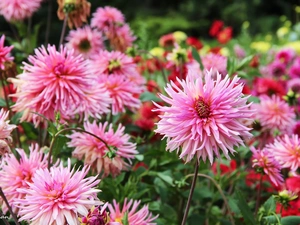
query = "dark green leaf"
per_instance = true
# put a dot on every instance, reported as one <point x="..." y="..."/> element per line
<point x="245" y="210"/>
<point x="270" y="205"/>
<point x="244" y="62"/>
<point x="290" y="220"/>
<point x="16" y="118"/>
<point x="2" y="102"/>
<point x="149" y="96"/>
<point x="197" y="57"/>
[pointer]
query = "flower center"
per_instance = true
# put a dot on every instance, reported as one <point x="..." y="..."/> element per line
<point x="202" y="108"/>
<point x="85" y="45"/>
<point x="114" y="65"/>
<point x="59" y="68"/>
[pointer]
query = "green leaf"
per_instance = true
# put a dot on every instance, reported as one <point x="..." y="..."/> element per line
<point x="125" y="219"/>
<point x="2" y="102"/>
<point x="233" y="206"/>
<point x="168" y="179"/>
<point x="244" y="62"/>
<point x="139" y="157"/>
<point x="290" y="220"/>
<point x="149" y="96"/>
<point x="59" y="143"/>
<point x="197" y="57"/>
<point x="16" y="118"/>
<point x="272" y="219"/>
<point x="245" y="210"/>
<point x="253" y="99"/>
<point x="270" y="205"/>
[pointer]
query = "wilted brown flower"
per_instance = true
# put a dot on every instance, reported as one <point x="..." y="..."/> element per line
<point x="77" y="11"/>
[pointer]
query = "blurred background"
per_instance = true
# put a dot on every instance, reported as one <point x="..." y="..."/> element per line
<point x="194" y="17"/>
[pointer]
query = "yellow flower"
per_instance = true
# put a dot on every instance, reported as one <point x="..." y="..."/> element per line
<point x="157" y="51"/>
<point x="261" y="46"/>
<point x="282" y="31"/>
<point x="225" y="51"/>
<point x="294" y="45"/>
<point x="179" y="36"/>
<point x="203" y="51"/>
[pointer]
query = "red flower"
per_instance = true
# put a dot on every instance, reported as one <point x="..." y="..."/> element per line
<point x="224" y="168"/>
<point x="254" y="62"/>
<point x="253" y="179"/>
<point x="152" y="86"/>
<point x="192" y="41"/>
<point x="167" y="40"/>
<point x="216" y="28"/>
<point x="225" y="35"/>
<point x="293" y="184"/>
<point x="215" y="50"/>
<point x="268" y="86"/>
<point x="292" y="210"/>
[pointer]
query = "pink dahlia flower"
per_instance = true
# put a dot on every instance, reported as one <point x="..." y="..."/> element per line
<point x="85" y="41"/>
<point x="57" y="81"/>
<point x="264" y="160"/>
<point x="95" y="151"/>
<point x="285" y="56"/>
<point x="204" y="116"/>
<point x="118" y="73"/>
<point x="216" y="63"/>
<point x="121" y="38"/>
<point x="58" y="196"/>
<point x="116" y="63"/>
<point x="4" y="52"/>
<point x="18" y="9"/>
<point x="274" y="114"/>
<point x="277" y="69"/>
<point x="5" y="127"/>
<point x="287" y="151"/>
<point x="294" y="71"/>
<point x="135" y="216"/>
<point x="105" y="18"/>
<point x="15" y="174"/>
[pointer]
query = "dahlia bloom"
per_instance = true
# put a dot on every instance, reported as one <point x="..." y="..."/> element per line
<point x="215" y="28"/>
<point x="264" y="161"/>
<point x="215" y="62"/>
<point x="58" y="81"/>
<point x="277" y="69"/>
<point x="268" y="86"/>
<point x="58" y="196"/>
<point x="94" y="151"/>
<point x="78" y="16"/>
<point x="287" y="151"/>
<point x="118" y="73"/>
<point x="85" y="41"/>
<point x="285" y="55"/>
<point x="15" y="174"/>
<point x="135" y="216"/>
<point x="96" y="216"/>
<point x="4" y="52"/>
<point x="18" y="9"/>
<point x="224" y="35"/>
<point x="121" y="38"/>
<point x="106" y="17"/>
<point x="204" y="117"/>
<point x="274" y="114"/>
<point x="5" y="127"/>
<point x="294" y="70"/>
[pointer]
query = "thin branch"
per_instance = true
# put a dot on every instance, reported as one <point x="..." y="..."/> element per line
<point x="220" y="191"/>
<point x="9" y="207"/>
<point x="68" y="129"/>
<point x="63" y="31"/>
<point x="188" y="204"/>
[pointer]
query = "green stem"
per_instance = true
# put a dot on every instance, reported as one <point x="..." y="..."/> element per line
<point x="68" y="129"/>
<point x="63" y="31"/>
<point x="258" y="194"/>
<point x="188" y="204"/>
<point x="9" y="207"/>
<point x="220" y="191"/>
